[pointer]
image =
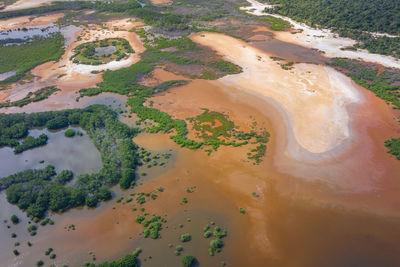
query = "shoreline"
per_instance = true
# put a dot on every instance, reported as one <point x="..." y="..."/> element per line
<point x="322" y="39"/>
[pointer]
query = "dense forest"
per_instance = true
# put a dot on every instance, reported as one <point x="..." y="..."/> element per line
<point x="37" y="191"/>
<point x="349" y="18"/>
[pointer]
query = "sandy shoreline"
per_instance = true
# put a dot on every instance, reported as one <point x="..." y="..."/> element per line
<point x="323" y="39"/>
<point x="313" y="97"/>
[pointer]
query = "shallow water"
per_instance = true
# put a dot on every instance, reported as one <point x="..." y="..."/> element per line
<point x="77" y="154"/>
<point x="5" y="75"/>
<point x="29" y="32"/>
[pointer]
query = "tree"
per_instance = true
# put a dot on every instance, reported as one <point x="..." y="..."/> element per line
<point x="188" y="261"/>
<point x="14" y="219"/>
<point x="128" y="176"/>
<point x="91" y="202"/>
<point x="185" y="237"/>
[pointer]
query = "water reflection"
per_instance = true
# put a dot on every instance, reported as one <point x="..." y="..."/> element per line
<point x="77" y="154"/>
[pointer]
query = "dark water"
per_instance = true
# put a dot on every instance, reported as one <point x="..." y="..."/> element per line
<point x="290" y="52"/>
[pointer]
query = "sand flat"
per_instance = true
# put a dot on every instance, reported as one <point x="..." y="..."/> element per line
<point x="29" y="21"/>
<point x="314" y="97"/>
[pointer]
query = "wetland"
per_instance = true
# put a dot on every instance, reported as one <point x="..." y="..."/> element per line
<point x="192" y="133"/>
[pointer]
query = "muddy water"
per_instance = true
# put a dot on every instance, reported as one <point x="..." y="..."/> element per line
<point x="291" y="220"/>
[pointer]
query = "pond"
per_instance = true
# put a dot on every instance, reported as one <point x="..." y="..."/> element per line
<point x="77" y="154"/>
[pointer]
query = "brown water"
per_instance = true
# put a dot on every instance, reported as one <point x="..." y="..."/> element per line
<point x="293" y="221"/>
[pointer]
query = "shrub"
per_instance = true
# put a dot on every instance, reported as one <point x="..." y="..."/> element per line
<point x="70" y="133"/>
<point x="207" y="234"/>
<point x="91" y="202"/>
<point x="185" y="237"/>
<point x="128" y="176"/>
<point x="188" y="261"/>
<point x="14" y="219"/>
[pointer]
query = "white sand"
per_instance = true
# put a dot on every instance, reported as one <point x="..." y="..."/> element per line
<point x="313" y="97"/>
<point x="321" y="39"/>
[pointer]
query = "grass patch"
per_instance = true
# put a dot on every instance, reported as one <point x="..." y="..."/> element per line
<point x="24" y="57"/>
<point x="276" y="24"/>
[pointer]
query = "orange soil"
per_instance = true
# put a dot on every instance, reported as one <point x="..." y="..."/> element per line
<point x="161" y="2"/>
<point x="70" y="77"/>
<point x="29" y="21"/>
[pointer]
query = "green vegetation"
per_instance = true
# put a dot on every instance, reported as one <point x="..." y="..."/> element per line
<point x="216" y="244"/>
<point x="46" y="221"/>
<point x="14" y="219"/>
<point x="48" y="251"/>
<point x="394" y="147"/>
<point x="36" y="96"/>
<point x="24" y="57"/>
<point x="32" y="229"/>
<point x="70" y="133"/>
<point x="371" y="16"/>
<point x="185" y="237"/>
<point x="102" y="51"/>
<point x="129" y="260"/>
<point x="125" y="81"/>
<point x="384" y="84"/>
<point x="153" y="225"/>
<point x="37" y="191"/>
<point x="242" y="211"/>
<point x="31" y="142"/>
<point x="188" y="261"/>
<point x="212" y="125"/>
<point x="276" y="24"/>
<point x="178" y="250"/>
